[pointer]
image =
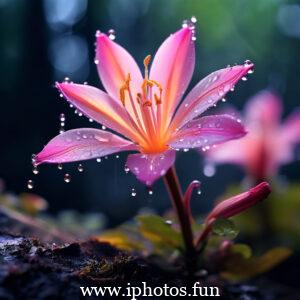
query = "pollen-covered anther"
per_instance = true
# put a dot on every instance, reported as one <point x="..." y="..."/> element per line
<point x="125" y="87"/>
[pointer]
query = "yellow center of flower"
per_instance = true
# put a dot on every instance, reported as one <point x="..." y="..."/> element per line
<point x="147" y="117"/>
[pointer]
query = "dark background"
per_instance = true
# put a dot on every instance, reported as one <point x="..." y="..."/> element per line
<point x="45" y="41"/>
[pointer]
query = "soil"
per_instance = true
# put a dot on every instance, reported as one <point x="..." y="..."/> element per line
<point x="31" y="269"/>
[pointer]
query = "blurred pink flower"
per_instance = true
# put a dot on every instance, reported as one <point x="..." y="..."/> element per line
<point x="146" y="110"/>
<point x="268" y="143"/>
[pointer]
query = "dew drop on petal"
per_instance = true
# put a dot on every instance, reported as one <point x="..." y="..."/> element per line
<point x="67" y="178"/>
<point x="98" y="160"/>
<point x="96" y="61"/>
<point x="133" y="192"/>
<point x="103" y="127"/>
<point x="199" y="192"/>
<point x="244" y="78"/>
<point x="169" y="222"/>
<point x="126" y="169"/>
<point x="111" y="34"/>
<point x="59" y="166"/>
<point x="80" y="168"/>
<point x="30" y="184"/>
<point x="193" y="19"/>
<point x="91" y="120"/>
<point x="117" y="156"/>
<point x="223" y="99"/>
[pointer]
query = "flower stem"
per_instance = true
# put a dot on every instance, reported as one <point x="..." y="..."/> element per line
<point x="175" y="192"/>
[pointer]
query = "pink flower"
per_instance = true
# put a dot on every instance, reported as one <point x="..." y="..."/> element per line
<point x="146" y="111"/>
<point x="268" y="143"/>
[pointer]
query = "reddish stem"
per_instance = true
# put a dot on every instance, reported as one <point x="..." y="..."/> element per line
<point x="175" y="192"/>
<point x="187" y="197"/>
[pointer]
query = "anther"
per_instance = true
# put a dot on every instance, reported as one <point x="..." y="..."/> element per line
<point x="146" y="64"/>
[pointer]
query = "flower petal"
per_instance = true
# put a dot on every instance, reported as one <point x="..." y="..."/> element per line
<point x="230" y="152"/>
<point x="149" y="167"/>
<point x="207" y="131"/>
<point x="114" y="63"/>
<point x="99" y="106"/>
<point x="264" y="110"/>
<point x="290" y="130"/>
<point x="173" y="67"/>
<point x="207" y="92"/>
<point x="239" y="203"/>
<point x="82" y="144"/>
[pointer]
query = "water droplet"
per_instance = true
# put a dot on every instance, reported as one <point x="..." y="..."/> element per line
<point x="103" y="127"/>
<point x="169" y="222"/>
<point x="35" y="170"/>
<point x="193" y="19"/>
<point x="244" y="78"/>
<point x="98" y="32"/>
<point x="111" y="34"/>
<point x="59" y="166"/>
<point x="209" y="170"/>
<point x="232" y="89"/>
<point x="61" y="95"/>
<point x="96" y="61"/>
<point x="62" y="118"/>
<point x="223" y="99"/>
<point x="91" y="120"/>
<point x="67" y="178"/>
<point x="30" y="184"/>
<point x="67" y="80"/>
<point x="85" y="83"/>
<point x="80" y="168"/>
<point x="247" y="63"/>
<point x="98" y="160"/>
<point x="126" y="169"/>
<point x="150" y="191"/>
<point x="117" y="156"/>
<point x="133" y="192"/>
<point x="199" y="191"/>
<point x="33" y="159"/>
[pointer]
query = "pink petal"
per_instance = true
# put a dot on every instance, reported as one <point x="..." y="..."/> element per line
<point x="264" y="109"/>
<point x="82" y="144"/>
<point x="207" y="92"/>
<point x="149" y="167"/>
<point x="173" y="67"/>
<point x="239" y="203"/>
<point x="114" y="63"/>
<point x="230" y="152"/>
<point x="207" y="131"/>
<point x="290" y="130"/>
<point x="99" y="106"/>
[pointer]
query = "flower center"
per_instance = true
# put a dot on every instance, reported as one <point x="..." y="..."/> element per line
<point x="147" y="114"/>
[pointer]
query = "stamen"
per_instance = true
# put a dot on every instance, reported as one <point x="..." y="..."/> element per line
<point x="146" y="64"/>
<point x="124" y="88"/>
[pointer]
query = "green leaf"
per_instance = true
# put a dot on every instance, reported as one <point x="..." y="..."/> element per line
<point x="241" y="249"/>
<point x="225" y="228"/>
<point x="237" y="267"/>
<point x="120" y="239"/>
<point x="159" y="233"/>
